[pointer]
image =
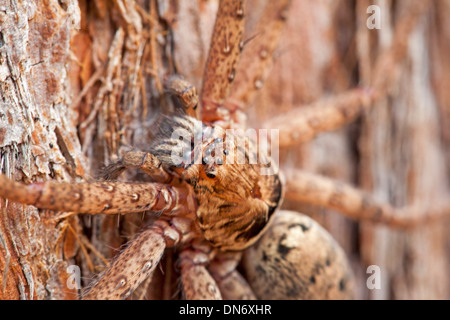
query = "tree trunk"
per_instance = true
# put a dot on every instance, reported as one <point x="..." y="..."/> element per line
<point x="81" y="82"/>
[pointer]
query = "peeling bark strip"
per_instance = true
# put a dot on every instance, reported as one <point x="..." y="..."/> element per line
<point x="100" y="197"/>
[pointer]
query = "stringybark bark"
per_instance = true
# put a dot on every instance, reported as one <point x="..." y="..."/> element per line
<point x="81" y="81"/>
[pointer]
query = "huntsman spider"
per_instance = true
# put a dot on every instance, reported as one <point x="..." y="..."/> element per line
<point x="214" y="204"/>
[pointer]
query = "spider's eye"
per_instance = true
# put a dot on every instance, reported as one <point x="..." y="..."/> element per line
<point x="219" y="161"/>
<point x="210" y="175"/>
<point x="205" y="160"/>
<point x="225" y="152"/>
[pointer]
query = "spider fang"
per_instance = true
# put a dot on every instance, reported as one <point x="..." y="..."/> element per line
<point x="166" y="197"/>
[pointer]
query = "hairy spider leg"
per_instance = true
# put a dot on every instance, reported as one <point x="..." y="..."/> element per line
<point x="320" y="191"/>
<point x="197" y="282"/>
<point x="301" y="125"/>
<point x="232" y="284"/>
<point x="137" y="262"/>
<point x="100" y="197"/>
<point x="223" y="57"/>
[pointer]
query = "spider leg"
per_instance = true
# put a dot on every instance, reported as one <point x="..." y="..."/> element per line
<point x="145" y="161"/>
<point x="138" y="261"/>
<point x="303" y="124"/>
<point x="324" y="192"/>
<point x="197" y="282"/>
<point x="222" y="60"/>
<point x="185" y="93"/>
<point x="100" y="197"/>
<point x="232" y="284"/>
<point x="256" y="59"/>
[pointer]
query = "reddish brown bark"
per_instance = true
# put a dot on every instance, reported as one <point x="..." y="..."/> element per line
<point x="80" y="82"/>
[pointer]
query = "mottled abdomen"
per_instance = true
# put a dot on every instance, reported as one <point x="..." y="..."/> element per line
<point x="298" y="259"/>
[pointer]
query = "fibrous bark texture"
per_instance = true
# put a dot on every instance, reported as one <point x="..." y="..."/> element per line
<point x="81" y="82"/>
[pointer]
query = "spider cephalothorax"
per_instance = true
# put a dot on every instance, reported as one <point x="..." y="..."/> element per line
<point x="236" y="196"/>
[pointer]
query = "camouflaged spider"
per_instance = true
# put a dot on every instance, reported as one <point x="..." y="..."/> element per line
<point x="211" y="211"/>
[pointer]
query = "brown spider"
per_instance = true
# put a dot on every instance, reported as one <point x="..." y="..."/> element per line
<point x="211" y="211"/>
